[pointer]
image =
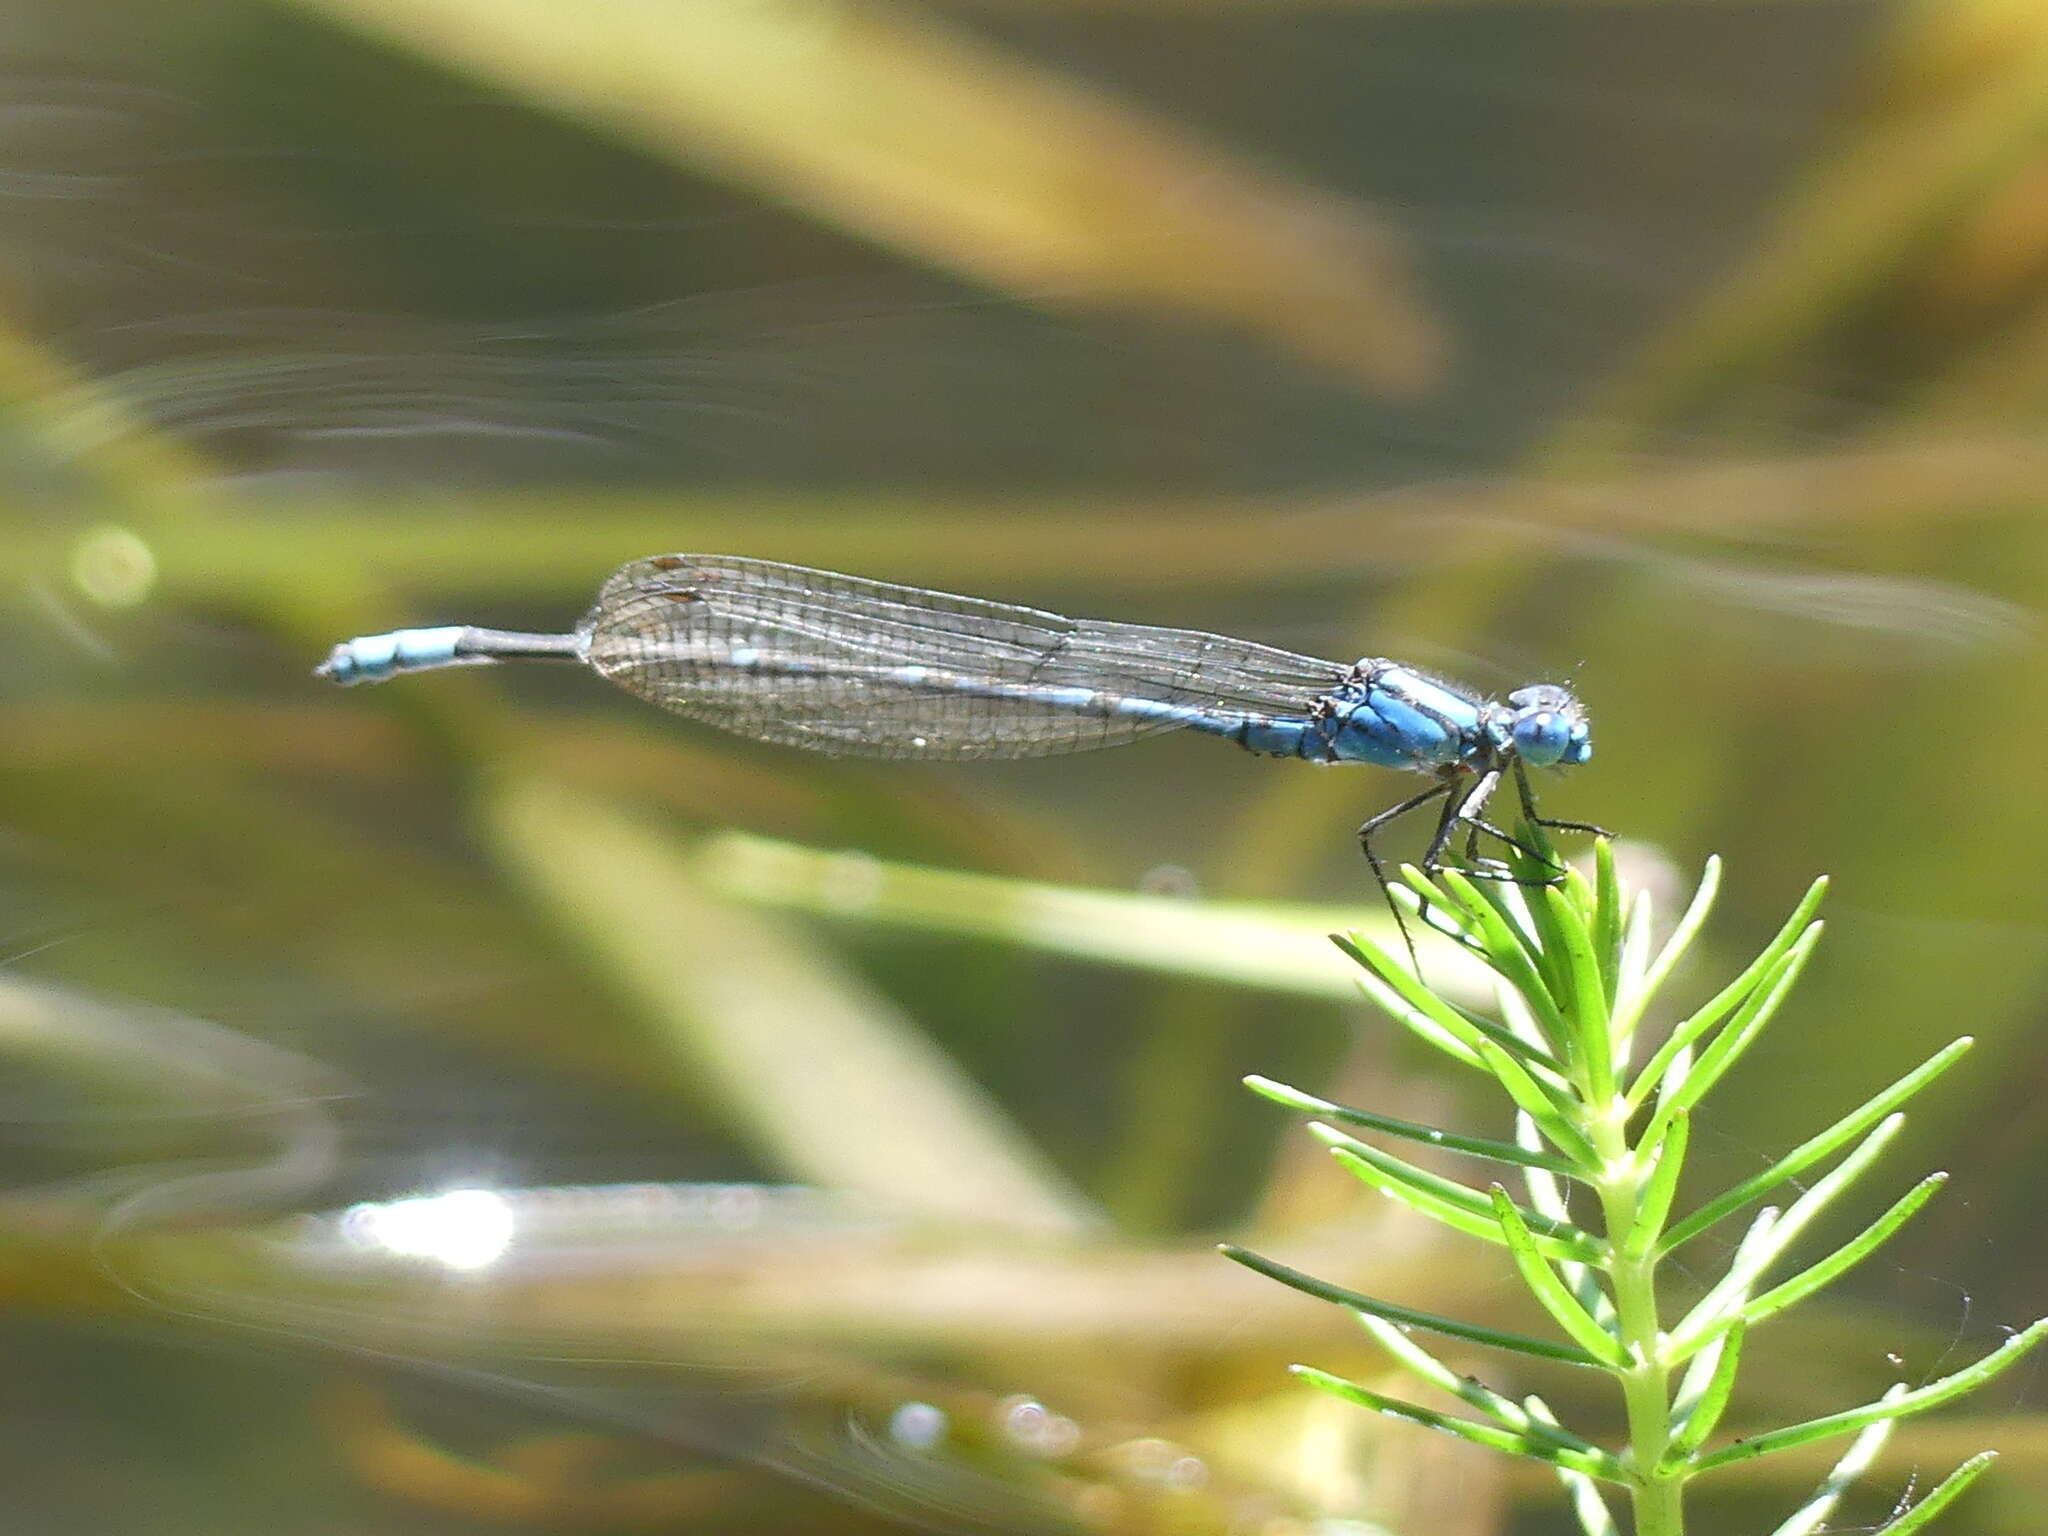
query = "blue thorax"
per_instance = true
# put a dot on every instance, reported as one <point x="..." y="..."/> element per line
<point x="1397" y="717"/>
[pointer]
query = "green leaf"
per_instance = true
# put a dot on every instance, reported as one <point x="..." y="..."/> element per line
<point x="1933" y="1395"/>
<point x="1448" y="1201"/>
<point x="1532" y="927"/>
<point x="1475" y="1146"/>
<point x="1846" y="1257"/>
<point x="1419" y="1022"/>
<point x="1711" y="1013"/>
<point x="1545" y="1193"/>
<point x="1433" y="906"/>
<point x="1586" y="1463"/>
<point x="1594" y="1517"/>
<point x="1437" y="1020"/>
<point x="1815" y="1148"/>
<point x="1703" y="1398"/>
<point x="1938" y="1498"/>
<point x="1781" y="943"/>
<point x="1609" y="915"/>
<point x="1501" y="898"/>
<point x="1545" y="1286"/>
<point x="1630" y="1001"/>
<point x="1506" y="953"/>
<point x="1547" y="1198"/>
<point x="1536" y="1100"/>
<point x="1653" y="1206"/>
<point x="1522" y="1023"/>
<point x="1813" y="1515"/>
<point x="1733" y="1042"/>
<point x="1578" y="888"/>
<point x="1408" y="1317"/>
<point x="1424" y="1366"/>
<point x="1729" y="1298"/>
<point x="1586" y="1013"/>
<point x="1401" y="994"/>
<point x="1630" y="996"/>
<point x="1722" y="1305"/>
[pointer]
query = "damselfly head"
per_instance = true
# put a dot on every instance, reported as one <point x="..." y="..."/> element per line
<point x="1548" y="726"/>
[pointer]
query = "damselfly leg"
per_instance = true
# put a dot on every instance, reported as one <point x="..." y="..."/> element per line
<point x="1527" y="793"/>
<point x="1394" y="813"/>
<point x="1458" y="808"/>
<point x="1466" y="810"/>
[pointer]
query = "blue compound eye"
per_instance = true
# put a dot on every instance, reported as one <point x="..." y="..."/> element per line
<point x="1545" y="738"/>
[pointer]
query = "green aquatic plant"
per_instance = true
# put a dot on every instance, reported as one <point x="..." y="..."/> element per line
<point x="1598" y="1154"/>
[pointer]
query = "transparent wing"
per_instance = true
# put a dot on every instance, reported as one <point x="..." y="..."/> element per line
<point x="864" y="668"/>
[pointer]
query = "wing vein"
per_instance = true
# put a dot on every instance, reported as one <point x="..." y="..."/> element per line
<point x="867" y="668"/>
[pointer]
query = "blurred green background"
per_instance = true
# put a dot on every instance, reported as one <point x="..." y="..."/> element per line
<point x="1695" y="352"/>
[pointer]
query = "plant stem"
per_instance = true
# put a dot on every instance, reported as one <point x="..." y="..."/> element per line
<point x="1656" y="1496"/>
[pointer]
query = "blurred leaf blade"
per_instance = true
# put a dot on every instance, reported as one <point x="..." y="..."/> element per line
<point x="81" y="425"/>
<point x="242" y="553"/>
<point x="1948" y="102"/>
<point x="1268" y="946"/>
<point x="899" y="129"/>
<point x="824" y="1074"/>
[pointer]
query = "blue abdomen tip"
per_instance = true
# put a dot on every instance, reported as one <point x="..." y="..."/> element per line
<point x="372" y="658"/>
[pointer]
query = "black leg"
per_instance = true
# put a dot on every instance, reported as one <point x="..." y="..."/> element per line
<point x="1573" y="826"/>
<point x="1394" y="813"/>
<point x="1468" y="811"/>
<point x="1446" y="824"/>
<point x="1495" y="869"/>
<point x="1539" y="852"/>
<point x="1462" y="808"/>
<point x="1527" y="792"/>
<point x="1498" y="869"/>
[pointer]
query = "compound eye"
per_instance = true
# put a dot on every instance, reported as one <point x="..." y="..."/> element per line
<point x="1543" y="738"/>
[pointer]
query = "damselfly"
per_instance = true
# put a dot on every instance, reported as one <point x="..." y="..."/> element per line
<point x="844" y="665"/>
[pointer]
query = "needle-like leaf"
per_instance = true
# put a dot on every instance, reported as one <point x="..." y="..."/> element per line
<point x="1424" y="1366"/>
<point x="1586" y="1463"/>
<point x="1720" y="1054"/>
<point x="1919" y="1400"/>
<point x="1408" y="1130"/>
<point x="1816" y="1148"/>
<point x="1939" y="1497"/>
<point x="1846" y="1257"/>
<point x="1730" y="1298"/>
<point x="1812" y="1516"/>
<point x="1410" y="1317"/>
<point x="1703" y="1398"/>
<point x="1545" y="1286"/>
<point x="1711" y="1013"/>
<point x="1450" y="1202"/>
